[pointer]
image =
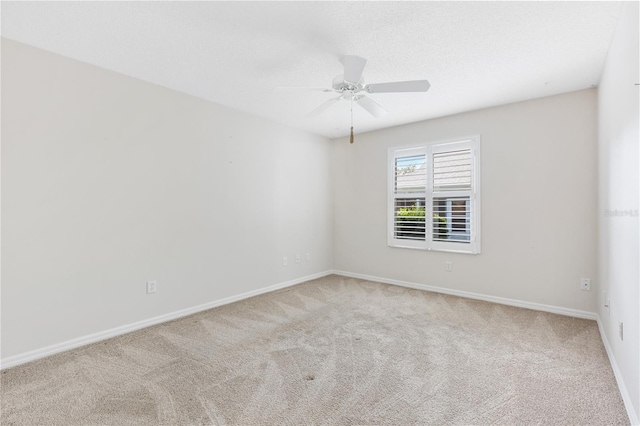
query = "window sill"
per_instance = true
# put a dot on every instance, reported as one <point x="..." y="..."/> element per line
<point x="432" y="249"/>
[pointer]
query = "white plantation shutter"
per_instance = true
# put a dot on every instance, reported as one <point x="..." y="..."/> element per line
<point x="409" y="189"/>
<point x="434" y="202"/>
<point x="411" y="174"/>
<point x="453" y="197"/>
<point x="452" y="170"/>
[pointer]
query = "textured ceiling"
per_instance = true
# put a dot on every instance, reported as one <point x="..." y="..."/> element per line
<point x="475" y="54"/>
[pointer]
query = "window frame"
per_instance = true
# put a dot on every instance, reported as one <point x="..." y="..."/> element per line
<point x="429" y="149"/>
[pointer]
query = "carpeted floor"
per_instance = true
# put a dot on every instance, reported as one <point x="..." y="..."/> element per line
<point x="333" y="351"/>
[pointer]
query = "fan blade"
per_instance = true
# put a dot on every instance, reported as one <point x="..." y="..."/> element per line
<point x="371" y="106"/>
<point x="324" y="106"/>
<point x="399" y="86"/>
<point x="353" y="67"/>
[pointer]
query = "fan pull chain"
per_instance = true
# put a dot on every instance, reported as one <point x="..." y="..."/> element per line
<point x="351" y="137"/>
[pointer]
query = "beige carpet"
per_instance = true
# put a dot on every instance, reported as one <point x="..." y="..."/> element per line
<point x="331" y="351"/>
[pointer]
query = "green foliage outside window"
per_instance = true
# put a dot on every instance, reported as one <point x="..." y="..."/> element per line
<point x="411" y="223"/>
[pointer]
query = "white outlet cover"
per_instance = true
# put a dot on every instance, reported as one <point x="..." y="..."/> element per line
<point x="151" y="286"/>
<point x="621" y="329"/>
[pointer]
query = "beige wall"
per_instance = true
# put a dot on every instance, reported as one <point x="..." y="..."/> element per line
<point x="539" y="219"/>
<point x="619" y="184"/>
<point x="108" y="182"/>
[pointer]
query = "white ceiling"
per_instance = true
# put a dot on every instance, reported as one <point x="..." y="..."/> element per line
<point x="475" y="54"/>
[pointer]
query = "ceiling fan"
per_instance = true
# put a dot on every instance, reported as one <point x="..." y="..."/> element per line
<point x="350" y="86"/>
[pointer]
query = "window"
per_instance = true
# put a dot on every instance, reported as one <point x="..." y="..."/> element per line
<point x="434" y="199"/>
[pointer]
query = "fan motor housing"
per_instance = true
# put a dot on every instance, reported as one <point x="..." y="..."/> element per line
<point x="340" y="85"/>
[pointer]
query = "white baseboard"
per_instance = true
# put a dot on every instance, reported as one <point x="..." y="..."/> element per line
<point x="12" y="361"/>
<point x="469" y="295"/>
<point x="626" y="398"/>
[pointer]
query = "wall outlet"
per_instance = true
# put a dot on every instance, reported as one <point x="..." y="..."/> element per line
<point x="151" y="286"/>
<point x="585" y="284"/>
<point x="297" y="258"/>
<point x="621" y="329"/>
<point x="285" y="261"/>
<point x="448" y="266"/>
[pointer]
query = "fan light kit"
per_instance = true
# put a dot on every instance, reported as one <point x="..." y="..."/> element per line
<point x="350" y="86"/>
